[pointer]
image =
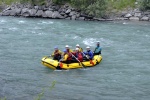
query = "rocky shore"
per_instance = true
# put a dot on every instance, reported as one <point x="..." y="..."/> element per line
<point x="67" y="12"/>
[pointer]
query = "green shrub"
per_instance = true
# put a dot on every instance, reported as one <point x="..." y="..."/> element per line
<point x="97" y="9"/>
<point x="120" y="4"/>
<point x="145" y="5"/>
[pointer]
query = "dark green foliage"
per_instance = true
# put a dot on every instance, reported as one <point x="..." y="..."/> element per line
<point x="91" y="7"/>
<point x="145" y="4"/>
<point x="60" y="1"/>
<point x="97" y="9"/>
<point x="34" y="2"/>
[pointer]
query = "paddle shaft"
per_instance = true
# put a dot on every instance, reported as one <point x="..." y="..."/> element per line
<point x="78" y="60"/>
<point x="88" y="59"/>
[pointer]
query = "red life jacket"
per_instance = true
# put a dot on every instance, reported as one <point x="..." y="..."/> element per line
<point x="69" y="56"/>
<point x="80" y="57"/>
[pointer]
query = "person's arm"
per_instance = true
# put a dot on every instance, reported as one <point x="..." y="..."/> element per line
<point x="91" y="55"/>
<point x="73" y="53"/>
<point x="60" y="52"/>
<point x="65" y="58"/>
<point x="85" y="53"/>
<point x="95" y="49"/>
<point x="52" y="55"/>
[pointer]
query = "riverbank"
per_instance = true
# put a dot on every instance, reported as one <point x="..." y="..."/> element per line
<point x="67" y="12"/>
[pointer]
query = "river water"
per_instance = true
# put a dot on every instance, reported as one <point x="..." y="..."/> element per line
<point x="123" y="74"/>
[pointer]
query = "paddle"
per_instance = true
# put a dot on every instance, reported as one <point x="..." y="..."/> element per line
<point x="60" y="63"/>
<point x="91" y="62"/>
<point x="78" y="61"/>
<point x="47" y="57"/>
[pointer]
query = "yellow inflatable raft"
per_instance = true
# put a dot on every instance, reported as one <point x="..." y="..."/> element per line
<point x="54" y="64"/>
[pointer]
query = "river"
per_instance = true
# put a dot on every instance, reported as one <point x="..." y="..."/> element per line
<point x="123" y="74"/>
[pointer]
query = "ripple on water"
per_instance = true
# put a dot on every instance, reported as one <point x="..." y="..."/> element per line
<point x="46" y="22"/>
<point x="13" y="28"/>
<point x="76" y="37"/>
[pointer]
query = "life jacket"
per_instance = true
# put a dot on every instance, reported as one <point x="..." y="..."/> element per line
<point x="69" y="56"/>
<point x="90" y="54"/>
<point x="80" y="49"/>
<point x="57" y="53"/>
<point x="79" y="56"/>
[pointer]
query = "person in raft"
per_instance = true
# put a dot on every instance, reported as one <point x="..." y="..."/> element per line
<point x="67" y="57"/>
<point x="56" y="54"/>
<point x="80" y="49"/>
<point x="89" y="54"/>
<point x="68" y="49"/>
<point x="78" y="55"/>
<point x="98" y="49"/>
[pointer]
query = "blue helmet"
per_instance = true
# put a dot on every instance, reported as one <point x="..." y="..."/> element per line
<point x="65" y="50"/>
<point x="55" y="47"/>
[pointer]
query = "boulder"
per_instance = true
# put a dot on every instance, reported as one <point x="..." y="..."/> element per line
<point x="26" y="14"/>
<point x="32" y="12"/>
<point x="73" y="17"/>
<point x="81" y="18"/>
<point x="128" y="15"/>
<point x="72" y="13"/>
<point x="39" y="13"/>
<point x="50" y="9"/>
<point x="56" y="15"/>
<point x="68" y="11"/>
<point x="44" y="15"/>
<point x="24" y="10"/>
<point x="123" y="13"/>
<point x="145" y="18"/>
<point x="121" y="18"/>
<point x="49" y="14"/>
<point x="6" y="13"/>
<point x="134" y="18"/>
<point x="68" y="18"/>
<point x="20" y="6"/>
<point x="36" y="7"/>
<point x="138" y="14"/>
<point x="18" y="11"/>
<point x="62" y="13"/>
<point x="9" y="8"/>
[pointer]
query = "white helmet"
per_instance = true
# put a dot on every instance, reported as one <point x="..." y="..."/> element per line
<point x="98" y="42"/>
<point x="77" y="48"/>
<point x="88" y="47"/>
<point x="77" y="45"/>
<point x="67" y="46"/>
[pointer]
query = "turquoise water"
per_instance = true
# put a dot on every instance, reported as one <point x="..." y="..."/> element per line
<point x="123" y="74"/>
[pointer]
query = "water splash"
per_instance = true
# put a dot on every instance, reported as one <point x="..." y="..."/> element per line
<point x="89" y="41"/>
<point x="124" y="23"/>
<point x="3" y="21"/>
<point x="92" y="42"/>
<point x="46" y="22"/>
<point x="21" y="22"/>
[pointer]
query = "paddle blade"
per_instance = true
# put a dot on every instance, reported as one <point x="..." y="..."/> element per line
<point x="60" y="64"/>
<point x="91" y="62"/>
